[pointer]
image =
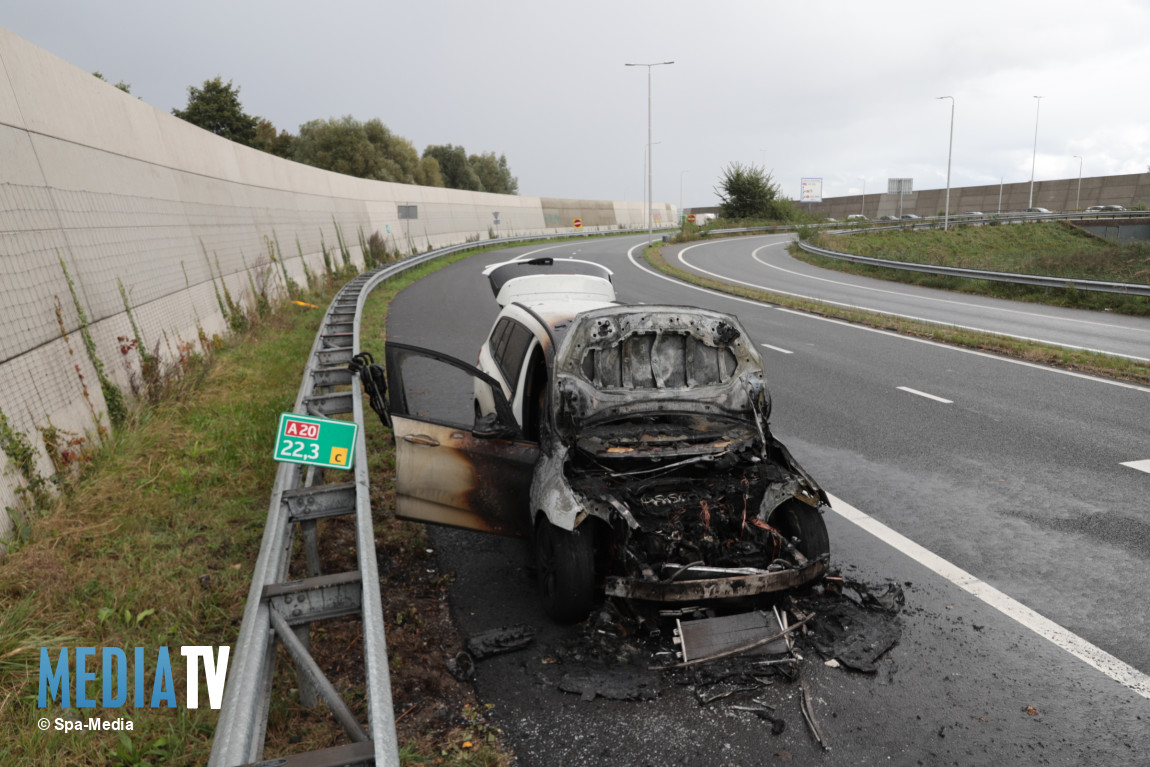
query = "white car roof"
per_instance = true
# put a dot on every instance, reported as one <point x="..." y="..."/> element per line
<point x="544" y="280"/>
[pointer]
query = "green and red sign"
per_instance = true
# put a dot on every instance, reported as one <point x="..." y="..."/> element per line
<point x="315" y="441"/>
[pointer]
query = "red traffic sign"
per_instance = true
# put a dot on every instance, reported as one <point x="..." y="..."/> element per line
<point x="577" y="223"/>
<point x="691" y="217"/>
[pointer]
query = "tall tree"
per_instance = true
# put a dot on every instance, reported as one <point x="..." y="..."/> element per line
<point x="493" y="173"/>
<point x="342" y="146"/>
<point x="457" y="171"/>
<point x="747" y="191"/>
<point x="427" y="173"/>
<point x="216" y="108"/>
<point x="269" y="140"/>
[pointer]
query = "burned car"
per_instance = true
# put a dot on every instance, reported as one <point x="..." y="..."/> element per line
<point x="631" y="443"/>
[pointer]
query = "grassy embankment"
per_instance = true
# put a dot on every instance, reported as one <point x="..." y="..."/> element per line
<point x="1051" y="248"/>
<point x="151" y="542"/>
<point x="968" y="248"/>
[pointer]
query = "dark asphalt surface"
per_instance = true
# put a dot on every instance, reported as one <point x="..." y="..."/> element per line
<point x="1018" y="481"/>
<point x="764" y="262"/>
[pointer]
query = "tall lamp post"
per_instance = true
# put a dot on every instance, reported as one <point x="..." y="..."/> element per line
<point x="1078" y="197"/>
<point x="1034" y="154"/>
<point x="681" y="217"/>
<point x="949" y="154"/>
<point x="862" y="208"/>
<point x="650" y="199"/>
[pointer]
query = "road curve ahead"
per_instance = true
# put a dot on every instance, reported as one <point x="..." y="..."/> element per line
<point x="764" y="262"/>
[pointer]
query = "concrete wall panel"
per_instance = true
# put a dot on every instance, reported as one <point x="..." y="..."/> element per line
<point x="146" y="208"/>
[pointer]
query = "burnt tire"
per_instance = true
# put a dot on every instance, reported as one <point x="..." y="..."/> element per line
<point x="565" y="560"/>
<point x="797" y="519"/>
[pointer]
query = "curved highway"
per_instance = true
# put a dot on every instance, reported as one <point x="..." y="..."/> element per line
<point x="997" y="492"/>
<point x="763" y="262"/>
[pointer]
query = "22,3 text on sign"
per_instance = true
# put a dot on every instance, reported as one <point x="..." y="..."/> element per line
<point x="315" y="441"/>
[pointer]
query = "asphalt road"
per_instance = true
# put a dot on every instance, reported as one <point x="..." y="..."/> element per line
<point x="1014" y="489"/>
<point x="763" y="262"/>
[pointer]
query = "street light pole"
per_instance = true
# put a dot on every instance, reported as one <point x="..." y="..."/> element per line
<point x="650" y="199"/>
<point x="949" y="154"/>
<point x="1034" y="154"/>
<point x="1078" y="197"/>
<point x="862" y="208"/>
<point x="681" y="217"/>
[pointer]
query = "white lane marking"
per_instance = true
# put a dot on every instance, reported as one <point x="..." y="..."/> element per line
<point x="924" y="394"/>
<point x="899" y="336"/>
<point x="933" y="299"/>
<point x="754" y="255"/>
<point x="1139" y="465"/>
<point x="777" y="349"/>
<point x="1116" y="669"/>
<point x="974" y="352"/>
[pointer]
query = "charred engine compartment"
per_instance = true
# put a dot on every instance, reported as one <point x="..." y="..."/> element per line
<point x="687" y="502"/>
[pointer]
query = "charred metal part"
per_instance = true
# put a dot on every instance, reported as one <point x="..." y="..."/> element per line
<point x="618" y="361"/>
<point x="550" y="490"/>
<point x="718" y="691"/>
<point x="677" y="571"/>
<point x="624" y="512"/>
<point x="715" y="588"/>
<point x="712" y="637"/>
<point x="739" y="650"/>
<point x="809" y="715"/>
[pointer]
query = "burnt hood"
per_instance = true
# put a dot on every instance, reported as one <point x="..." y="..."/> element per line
<point x="622" y="362"/>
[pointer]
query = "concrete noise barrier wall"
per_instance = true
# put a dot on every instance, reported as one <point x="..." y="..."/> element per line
<point x="119" y="221"/>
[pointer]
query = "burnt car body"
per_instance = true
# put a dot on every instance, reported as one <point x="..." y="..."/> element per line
<point x="631" y="442"/>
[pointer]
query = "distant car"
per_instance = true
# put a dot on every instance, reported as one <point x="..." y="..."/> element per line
<point x="1112" y="207"/>
<point x="888" y="218"/>
<point x="910" y="217"/>
<point x="856" y="217"/>
<point x="972" y="214"/>
<point x="1037" y="210"/>
<point x="832" y="220"/>
<point x="631" y="442"/>
<point x="1095" y="209"/>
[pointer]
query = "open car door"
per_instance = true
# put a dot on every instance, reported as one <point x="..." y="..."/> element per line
<point x="451" y="469"/>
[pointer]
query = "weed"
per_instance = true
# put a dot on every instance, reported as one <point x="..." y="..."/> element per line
<point x="113" y="397"/>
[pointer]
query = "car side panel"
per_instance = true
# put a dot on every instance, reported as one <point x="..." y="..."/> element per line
<point x="448" y="476"/>
<point x="450" y="469"/>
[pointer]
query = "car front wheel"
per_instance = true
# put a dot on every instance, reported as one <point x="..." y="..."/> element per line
<point x="565" y="560"/>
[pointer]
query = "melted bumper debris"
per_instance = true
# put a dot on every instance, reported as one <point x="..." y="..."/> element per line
<point x="499" y="640"/>
<point x="624" y="654"/>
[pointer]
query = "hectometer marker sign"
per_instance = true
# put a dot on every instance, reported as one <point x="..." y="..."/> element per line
<point x="315" y="441"/>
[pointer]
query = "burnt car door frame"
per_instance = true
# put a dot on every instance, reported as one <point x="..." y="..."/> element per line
<point x="476" y="477"/>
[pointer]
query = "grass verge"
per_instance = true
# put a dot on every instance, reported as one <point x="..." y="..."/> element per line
<point x="1049" y="248"/>
<point x="154" y="545"/>
<point x="1082" y="361"/>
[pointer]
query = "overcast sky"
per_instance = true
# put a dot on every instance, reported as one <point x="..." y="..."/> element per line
<point x="841" y="91"/>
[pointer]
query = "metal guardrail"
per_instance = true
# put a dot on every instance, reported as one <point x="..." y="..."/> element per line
<point x="281" y="610"/>
<point x="1126" y="288"/>
<point x="1098" y="286"/>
